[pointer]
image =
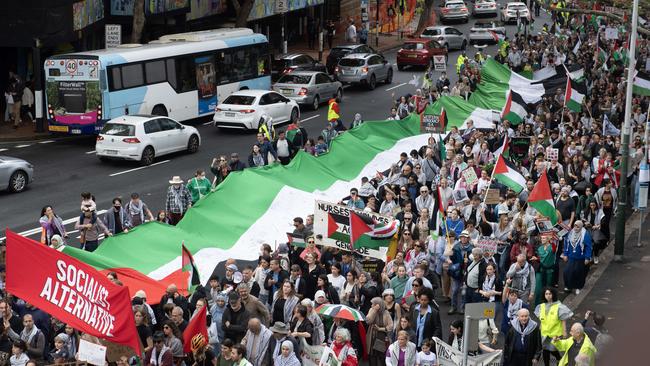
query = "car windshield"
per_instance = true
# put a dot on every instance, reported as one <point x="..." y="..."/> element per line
<point x="294" y="79"/>
<point x="118" y="129"/>
<point x="352" y="62"/>
<point x="239" y="100"/>
<point x="413" y="46"/>
<point x="454" y="5"/>
<point x="339" y="51"/>
<point x="483" y="25"/>
<point x="516" y="7"/>
<point x="431" y="32"/>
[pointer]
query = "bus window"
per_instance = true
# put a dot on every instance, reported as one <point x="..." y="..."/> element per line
<point x="132" y="75"/>
<point x="116" y="78"/>
<point x="186" y="72"/>
<point x="155" y="72"/>
<point x="242" y="66"/>
<point x="171" y="73"/>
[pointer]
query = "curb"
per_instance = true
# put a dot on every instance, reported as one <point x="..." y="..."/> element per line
<point x="573" y="301"/>
<point x="36" y="137"/>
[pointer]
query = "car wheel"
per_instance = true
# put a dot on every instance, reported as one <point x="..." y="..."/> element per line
<point x="18" y="181"/>
<point x="372" y="83"/>
<point x="389" y="76"/>
<point x="316" y="103"/>
<point x="400" y="67"/>
<point x="148" y="155"/>
<point x="463" y="46"/>
<point x="339" y="95"/>
<point x="159" y="110"/>
<point x="193" y="144"/>
<point x="294" y="115"/>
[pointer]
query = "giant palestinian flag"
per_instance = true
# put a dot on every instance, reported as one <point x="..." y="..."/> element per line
<point x="230" y="224"/>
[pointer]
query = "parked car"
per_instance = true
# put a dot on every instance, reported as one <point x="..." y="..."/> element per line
<point x="338" y="52"/>
<point x="285" y="64"/>
<point x="454" y="10"/>
<point x="144" y="137"/>
<point x="364" y="68"/>
<point x="309" y="87"/>
<point x="486" y="32"/>
<point x="509" y="12"/>
<point x="244" y="109"/>
<point x="15" y="174"/>
<point x="419" y="52"/>
<point x="448" y="37"/>
<point x="485" y="8"/>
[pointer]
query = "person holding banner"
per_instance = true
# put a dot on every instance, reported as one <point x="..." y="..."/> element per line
<point x="343" y="348"/>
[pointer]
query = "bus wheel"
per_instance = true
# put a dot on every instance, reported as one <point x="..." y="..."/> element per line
<point x="159" y="110"/>
<point x="148" y="156"/>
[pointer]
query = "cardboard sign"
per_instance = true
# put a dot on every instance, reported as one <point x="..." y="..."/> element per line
<point x="470" y="176"/>
<point x="492" y="196"/>
<point x="439" y="63"/>
<point x="461" y="199"/>
<point x="552" y="153"/>
<point x="611" y="33"/>
<point x="519" y="147"/>
<point x="449" y="356"/>
<point x="487" y="244"/>
<point x="370" y="265"/>
<point x="92" y="353"/>
<point x="544" y="225"/>
<point x="431" y="123"/>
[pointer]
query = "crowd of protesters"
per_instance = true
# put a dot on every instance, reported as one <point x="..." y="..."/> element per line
<point x="259" y="315"/>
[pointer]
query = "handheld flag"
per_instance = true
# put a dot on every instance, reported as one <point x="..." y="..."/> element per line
<point x="577" y="46"/>
<point x="574" y="95"/>
<point x="367" y="233"/>
<point x="197" y="325"/>
<point x="296" y="239"/>
<point x="505" y="147"/>
<point x="641" y="84"/>
<point x="333" y="112"/>
<point x="608" y="128"/>
<point x="507" y="174"/>
<point x="541" y="199"/>
<point x="188" y="265"/>
<point x="515" y="108"/>
<point x="442" y="148"/>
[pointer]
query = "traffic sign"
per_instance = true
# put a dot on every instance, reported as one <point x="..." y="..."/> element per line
<point x="439" y="63"/>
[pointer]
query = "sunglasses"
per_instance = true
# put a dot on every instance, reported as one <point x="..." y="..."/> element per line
<point x="311" y="242"/>
<point x="415" y="285"/>
<point x="407" y="234"/>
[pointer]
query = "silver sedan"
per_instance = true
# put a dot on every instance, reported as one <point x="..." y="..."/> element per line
<point x="15" y="174"/>
<point x="309" y="87"/>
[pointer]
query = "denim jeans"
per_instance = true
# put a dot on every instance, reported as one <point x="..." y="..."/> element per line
<point x="91" y="245"/>
<point x="457" y="300"/>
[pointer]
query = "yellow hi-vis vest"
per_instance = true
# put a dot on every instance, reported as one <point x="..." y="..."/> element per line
<point x="551" y="324"/>
<point x="459" y="62"/>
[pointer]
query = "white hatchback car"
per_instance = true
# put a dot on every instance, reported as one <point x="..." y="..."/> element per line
<point x="244" y="109"/>
<point x="143" y="137"/>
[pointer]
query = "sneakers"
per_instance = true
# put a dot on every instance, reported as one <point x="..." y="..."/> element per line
<point x="451" y="311"/>
<point x="577" y="291"/>
<point x="596" y="259"/>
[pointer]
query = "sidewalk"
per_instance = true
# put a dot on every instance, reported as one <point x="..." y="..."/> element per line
<point x="25" y="132"/>
<point x="621" y="292"/>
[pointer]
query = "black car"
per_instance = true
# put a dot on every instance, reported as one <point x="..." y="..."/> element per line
<point x="338" y="52"/>
<point x="285" y="64"/>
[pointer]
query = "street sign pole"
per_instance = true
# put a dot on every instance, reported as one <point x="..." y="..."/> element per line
<point x="619" y="244"/>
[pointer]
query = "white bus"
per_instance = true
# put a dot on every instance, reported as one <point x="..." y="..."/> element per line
<point x="182" y="76"/>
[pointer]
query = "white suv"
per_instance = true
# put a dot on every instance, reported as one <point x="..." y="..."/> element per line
<point x="143" y="137"/>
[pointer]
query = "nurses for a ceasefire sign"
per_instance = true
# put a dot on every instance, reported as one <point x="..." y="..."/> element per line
<point x="70" y="290"/>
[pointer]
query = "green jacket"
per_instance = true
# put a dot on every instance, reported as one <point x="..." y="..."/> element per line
<point x="198" y="188"/>
<point x="563" y="345"/>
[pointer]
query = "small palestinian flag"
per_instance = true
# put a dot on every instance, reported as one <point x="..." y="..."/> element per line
<point x="602" y="54"/>
<point x="504" y="149"/>
<point x="188" y="265"/>
<point x="541" y="199"/>
<point x="575" y="94"/>
<point x="515" y="108"/>
<point x="296" y="239"/>
<point x="336" y="227"/>
<point x="507" y="174"/>
<point x="367" y="233"/>
<point x="641" y="85"/>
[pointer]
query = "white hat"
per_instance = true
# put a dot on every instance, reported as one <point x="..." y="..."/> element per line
<point x="141" y="294"/>
<point x="176" y="180"/>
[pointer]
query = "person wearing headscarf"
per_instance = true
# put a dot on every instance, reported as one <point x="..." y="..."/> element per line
<point x="577" y="253"/>
<point x="56" y="241"/>
<point x="287" y="356"/>
<point x="379" y="325"/>
<point x="215" y="330"/>
<point x="357" y="121"/>
<point x="318" y="336"/>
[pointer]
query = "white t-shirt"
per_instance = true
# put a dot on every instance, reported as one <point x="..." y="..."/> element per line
<point x="338" y="283"/>
<point x="423" y="359"/>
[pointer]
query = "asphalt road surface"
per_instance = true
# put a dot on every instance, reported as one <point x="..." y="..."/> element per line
<point x="66" y="167"/>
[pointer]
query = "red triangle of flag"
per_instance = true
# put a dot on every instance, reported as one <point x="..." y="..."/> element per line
<point x="197" y="325"/>
<point x="506" y="108"/>
<point x="332" y="226"/>
<point x="358" y="226"/>
<point x="542" y="189"/>
<point x="500" y="167"/>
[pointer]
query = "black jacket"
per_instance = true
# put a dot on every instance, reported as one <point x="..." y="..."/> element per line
<point x="238" y="323"/>
<point x="283" y="275"/>
<point x="301" y="289"/>
<point x="532" y="341"/>
<point x="432" y="323"/>
<point x="179" y="300"/>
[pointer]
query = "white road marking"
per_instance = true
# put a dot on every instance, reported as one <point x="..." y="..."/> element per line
<point x="395" y="87"/>
<point x="3" y="150"/>
<point x="65" y="222"/>
<point x="90" y="152"/>
<point x="46" y="142"/>
<point x="139" y="168"/>
<point x="308" y="118"/>
<point x="21" y="146"/>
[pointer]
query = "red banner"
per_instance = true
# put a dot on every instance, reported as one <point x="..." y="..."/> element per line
<point x="70" y="290"/>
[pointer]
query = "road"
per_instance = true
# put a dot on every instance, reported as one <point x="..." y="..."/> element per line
<point x="66" y="167"/>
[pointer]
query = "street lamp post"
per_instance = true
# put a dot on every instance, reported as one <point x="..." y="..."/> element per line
<point x="377" y="25"/>
<point x="619" y="244"/>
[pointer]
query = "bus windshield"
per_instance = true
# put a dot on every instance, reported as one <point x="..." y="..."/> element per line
<point x="72" y="97"/>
